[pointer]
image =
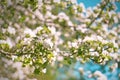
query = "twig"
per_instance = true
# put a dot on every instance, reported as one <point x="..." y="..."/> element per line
<point x="5" y="53"/>
<point x="98" y="14"/>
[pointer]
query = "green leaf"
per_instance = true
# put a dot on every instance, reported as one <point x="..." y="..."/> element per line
<point x="22" y="19"/>
<point x="27" y="35"/>
<point x="37" y="71"/>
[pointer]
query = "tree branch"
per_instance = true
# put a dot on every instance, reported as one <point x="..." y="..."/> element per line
<point x="5" y="53"/>
<point x="2" y="52"/>
<point x="100" y="13"/>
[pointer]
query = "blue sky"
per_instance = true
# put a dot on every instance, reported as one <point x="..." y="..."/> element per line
<point x="91" y="3"/>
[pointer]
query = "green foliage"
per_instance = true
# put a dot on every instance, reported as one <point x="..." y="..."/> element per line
<point x="53" y="34"/>
<point x="31" y="3"/>
<point x="97" y="46"/>
<point x="22" y="19"/>
<point x="4" y="46"/>
<point x="35" y="54"/>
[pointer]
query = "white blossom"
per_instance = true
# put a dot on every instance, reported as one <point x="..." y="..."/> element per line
<point x="83" y="7"/>
<point x="60" y="58"/>
<point x="74" y="44"/>
<point x="74" y="1"/>
<point x="37" y="29"/>
<point x="114" y="66"/>
<point x="9" y="2"/>
<point x="39" y="15"/>
<point x="70" y="23"/>
<point x="48" y="14"/>
<point x="57" y="1"/>
<point x="81" y="70"/>
<point x="53" y="30"/>
<point x="44" y="70"/>
<point x="94" y="53"/>
<point x="11" y="30"/>
<point x="8" y="41"/>
<point x="88" y="38"/>
<point x="48" y="43"/>
<point x="62" y="16"/>
<point x="29" y="31"/>
<point x="100" y="76"/>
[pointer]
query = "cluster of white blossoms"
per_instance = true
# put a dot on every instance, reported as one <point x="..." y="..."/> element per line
<point x="59" y="30"/>
<point x="100" y="75"/>
<point x="18" y="72"/>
